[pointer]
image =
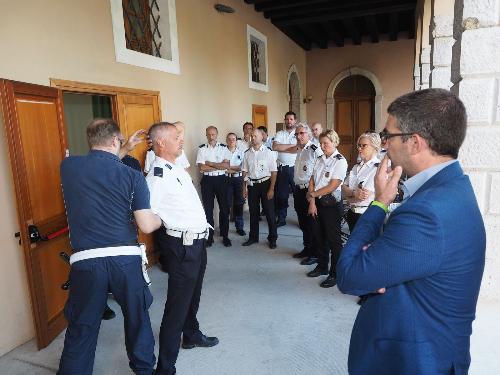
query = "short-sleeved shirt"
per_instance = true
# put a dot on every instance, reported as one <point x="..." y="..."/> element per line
<point x="236" y="157"/>
<point x="100" y="194"/>
<point x="304" y="163"/>
<point x="330" y="168"/>
<point x="259" y="163"/>
<point x="174" y="197"/>
<point x="364" y="174"/>
<point x="242" y="145"/>
<point x="286" y="138"/>
<point x="181" y="160"/>
<point x="215" y="154"/>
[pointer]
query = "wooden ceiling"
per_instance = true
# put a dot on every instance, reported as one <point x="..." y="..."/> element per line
<point x="326" y="23"/>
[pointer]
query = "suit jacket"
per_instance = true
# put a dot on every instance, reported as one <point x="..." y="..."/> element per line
<point x="430" y="257"/>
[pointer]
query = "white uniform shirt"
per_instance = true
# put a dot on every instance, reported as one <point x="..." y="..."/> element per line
<point x="242" y="145"/>
<point x="286" y="138"/>
<point x="315" y="141"/>
<point x="181" y="161"/>
<point x="269" y="142"/>
<point x="259" y="164"/>
<point x="216" y="154"/>
<point x="364" y="174"/>
<point x="174" y="197"/>
<point x="304" y="163"/>
<point x="236" y="157"/>
<point x="327" y="169"/>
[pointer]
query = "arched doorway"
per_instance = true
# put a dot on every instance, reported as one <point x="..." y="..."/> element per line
<point x="354" y="99"/>
<point x="294" y="91"/>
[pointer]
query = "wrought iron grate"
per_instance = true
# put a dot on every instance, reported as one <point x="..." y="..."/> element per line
<point x="141" y="18"/>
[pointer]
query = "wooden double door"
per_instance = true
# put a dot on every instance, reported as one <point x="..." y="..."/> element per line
<point x="33" y="117"/>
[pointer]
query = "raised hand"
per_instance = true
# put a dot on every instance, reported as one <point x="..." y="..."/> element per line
<point x="386" y="182"/>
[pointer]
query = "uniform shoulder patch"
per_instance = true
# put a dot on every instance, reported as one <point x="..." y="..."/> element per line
<point x="158" y="172"/>
<point x="338" y="156"/>
<point x="201" y="146"/>
<point x="314" y="147"/>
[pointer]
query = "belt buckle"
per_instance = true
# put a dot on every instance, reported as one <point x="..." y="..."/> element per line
<point x="187" y="238"/>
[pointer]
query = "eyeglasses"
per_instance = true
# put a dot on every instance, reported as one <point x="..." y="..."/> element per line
<point x="362" y="145"/>
<point x="385" y="135"/>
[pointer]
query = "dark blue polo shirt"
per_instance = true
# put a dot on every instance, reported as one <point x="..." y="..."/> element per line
<point x="101" y="194"/>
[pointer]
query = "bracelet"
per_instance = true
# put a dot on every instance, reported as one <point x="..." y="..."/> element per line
<point x="381" y="205"/>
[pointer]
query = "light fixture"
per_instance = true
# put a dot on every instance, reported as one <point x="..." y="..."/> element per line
<point x="221" y="8"/>
<point x="308" y="99"/>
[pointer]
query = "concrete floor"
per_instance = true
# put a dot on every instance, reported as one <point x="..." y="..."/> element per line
<point x="269" y="317"/>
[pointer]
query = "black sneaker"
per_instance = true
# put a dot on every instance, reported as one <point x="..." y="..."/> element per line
<point x="318" y="271"/>
<point x="241" y="232"/>
<point x="227" y="242"/>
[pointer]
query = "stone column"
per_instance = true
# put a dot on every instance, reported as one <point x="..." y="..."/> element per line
<point x="442" y="42"/>
<point x="480" y="73"/>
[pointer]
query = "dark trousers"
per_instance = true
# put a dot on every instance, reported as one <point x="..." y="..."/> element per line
<point x="305" y="221"/>
<point x="235" y="199"/>
<point x="186" y="268"/>
<point x="215" y="187"/>
<point x="284" y="185"/>
<point x="91" y="280"/>
<point x="352" y="218"/>
<point x="326" y="229"/>
<point x="258" y="194"/>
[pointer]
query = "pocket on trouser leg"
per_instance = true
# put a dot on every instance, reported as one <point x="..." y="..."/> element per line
<point x="148" y="298"/>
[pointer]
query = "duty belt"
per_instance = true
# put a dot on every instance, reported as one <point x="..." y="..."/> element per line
<point x="237" y="174"/>
<point x="187" y="236"/>
<point x="214" y="173"/>
<point x="103" y="252"/>
<point x="302" y="186"/>
<point x="258" y="180"/>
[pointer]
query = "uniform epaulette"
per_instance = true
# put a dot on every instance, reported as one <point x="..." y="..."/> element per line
<point x="158" y="172"/>
<point x="222" y="144"/>
<point x="238" y="139"/>
<point x="338" y="156"/>
<point x="269" y="148"/>
<point x="314" y="147"/>
<point x="376" y="164"/>
<point x="168" y="166"/>
<point x="247" y="149"/>
<point x="201" y="146"/>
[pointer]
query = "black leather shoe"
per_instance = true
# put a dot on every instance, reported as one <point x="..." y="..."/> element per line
<point x="210" y="242"/>
<point x="302" y="254"/>
<point x="317" y="272"/>
<point x="272" y="244"/>
<point x="309" y="261"/>
<point x="280" y="223"/>
<point x="227" y="242"/>
<point x="329" y="282"/>
<point x="203" y="342"/>
<point x="249" y="242"/>
<point x="108" y="314"/>
<point x="241" y="232"/>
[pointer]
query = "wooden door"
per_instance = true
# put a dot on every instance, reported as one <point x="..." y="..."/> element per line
<point x="139" y="112"/>
<point x="259" y="115"/>
<point x="32" y="116"/>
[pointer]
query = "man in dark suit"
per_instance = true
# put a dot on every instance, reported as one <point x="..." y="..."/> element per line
<point x="424" y="271"/>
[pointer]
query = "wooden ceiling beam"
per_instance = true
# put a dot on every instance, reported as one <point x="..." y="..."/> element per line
<point x="353" y="30"/>
<point x="298" y="37"/>
<point x="315" y="36"/>
<point x="333" y="33"/>
<point x="343" y="15"/>
<point x="371" y="24"/>
<point x="393" y="26"/>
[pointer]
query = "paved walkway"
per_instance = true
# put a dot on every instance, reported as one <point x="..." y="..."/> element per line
<point x="270" y="318"/>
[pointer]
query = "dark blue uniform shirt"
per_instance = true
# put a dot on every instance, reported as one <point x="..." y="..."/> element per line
<point x="101" y="194"/>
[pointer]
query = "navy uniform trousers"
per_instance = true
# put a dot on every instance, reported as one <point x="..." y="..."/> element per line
<point x="91" y="279"/>
<point x="327" y="231"/>
<point x="284" y="185"/>
<point x="235" y="199"/>
<point x="215" y="187"/>
<point x="186" y="269"/>
<point x="258" y="193"/>
<point x="306" y="221"/>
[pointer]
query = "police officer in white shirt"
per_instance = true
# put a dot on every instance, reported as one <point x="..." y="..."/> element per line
<point x="235" y="189"/>
<point x="283" y="140"/>
<point x="317" y="129"/>
<point x="259" y="174"/>
<point x="244" y="143"/>
<point x="325" y="205"/>
<point x="359" y="189"/>
<point x="307" y="153"/>
<point x="213" y="160"/>
<point x="182" y="241"/>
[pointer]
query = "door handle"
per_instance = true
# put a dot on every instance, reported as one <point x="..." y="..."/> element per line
<point x="35" y="236"/>
<point x="18" y="235"/>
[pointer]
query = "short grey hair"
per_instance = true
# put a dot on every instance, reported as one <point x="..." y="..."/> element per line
<point x="157" y="130"/>
<point x="304" y="126"/>
<point x="374" y="139"/>
<point x="437" y="115"/>
<point x="101" y="131"/>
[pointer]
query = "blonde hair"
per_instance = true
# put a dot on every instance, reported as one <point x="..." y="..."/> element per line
<point x="374" y="139"/>
<point x="331" y="135"/>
